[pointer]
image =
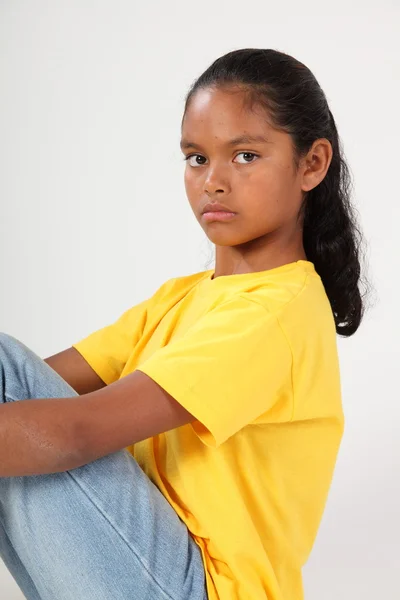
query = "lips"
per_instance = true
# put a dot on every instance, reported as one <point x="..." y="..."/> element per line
<point x="218" y="215"/>
<point x="216" y="207"/>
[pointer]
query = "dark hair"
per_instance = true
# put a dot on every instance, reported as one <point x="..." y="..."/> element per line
<point x="295" y="102"/>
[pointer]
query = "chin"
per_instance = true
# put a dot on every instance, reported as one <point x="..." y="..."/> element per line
<point x="225" y="238"/>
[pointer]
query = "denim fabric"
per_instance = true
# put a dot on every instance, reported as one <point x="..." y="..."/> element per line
<point x="102" y="531"/>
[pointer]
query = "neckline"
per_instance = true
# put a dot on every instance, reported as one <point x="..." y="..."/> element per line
<point x="306" y="264"/>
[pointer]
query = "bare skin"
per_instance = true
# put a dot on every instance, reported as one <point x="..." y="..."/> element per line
<point x="76" y="371"/>
<point x="256" y="180"/>
<point x="265" y="191"/>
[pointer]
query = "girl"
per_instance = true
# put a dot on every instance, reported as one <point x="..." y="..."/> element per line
<point x="186" y="451"/>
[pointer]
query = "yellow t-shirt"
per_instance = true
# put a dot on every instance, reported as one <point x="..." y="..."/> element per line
<point x="254" y="358"/>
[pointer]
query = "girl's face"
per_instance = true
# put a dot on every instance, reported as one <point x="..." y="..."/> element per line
<point x="256" y="179"/>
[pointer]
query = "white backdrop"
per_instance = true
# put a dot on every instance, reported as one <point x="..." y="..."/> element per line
<point x="94" y="216"/>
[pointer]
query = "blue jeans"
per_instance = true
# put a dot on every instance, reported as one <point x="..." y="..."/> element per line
<point x="102" y="531"/>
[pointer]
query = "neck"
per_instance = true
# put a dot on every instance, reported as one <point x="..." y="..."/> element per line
<point x="230" y="260"/>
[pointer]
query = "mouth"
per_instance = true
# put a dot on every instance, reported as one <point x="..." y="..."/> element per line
<point x="218" y="215"/>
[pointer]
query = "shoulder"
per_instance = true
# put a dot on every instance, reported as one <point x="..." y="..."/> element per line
<point x="179" y="285"/>
<point x="300" y="302"/>
<point x="278" y="292"/>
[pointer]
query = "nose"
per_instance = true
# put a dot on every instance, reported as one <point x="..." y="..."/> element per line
<point x="215" y="181"/>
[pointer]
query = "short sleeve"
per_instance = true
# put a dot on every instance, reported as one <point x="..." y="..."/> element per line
<point x="107" y="350"/>
<point x="230" y="368"/>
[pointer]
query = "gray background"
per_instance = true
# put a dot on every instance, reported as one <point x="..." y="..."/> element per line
<point x="94" y="216"/>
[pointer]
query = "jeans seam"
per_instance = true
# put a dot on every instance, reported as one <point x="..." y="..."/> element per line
<point x="168" y="597"/>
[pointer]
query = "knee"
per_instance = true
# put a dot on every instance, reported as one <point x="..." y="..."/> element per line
<point x="14" y="355"/>
<point x="9" y="345"/>
<point x="7" y="340"/>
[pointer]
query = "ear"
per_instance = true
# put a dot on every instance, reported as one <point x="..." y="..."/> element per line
<point x="316" y="164"/>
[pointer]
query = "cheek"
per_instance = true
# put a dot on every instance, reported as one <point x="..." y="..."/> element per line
<point x="260" y="184"/>
<point x="193" y="192"/>
<point x="191" y="183"/>
<point x="269" y="190"/>
<point x="188" y="187"/>
<point x="274" y="180"/>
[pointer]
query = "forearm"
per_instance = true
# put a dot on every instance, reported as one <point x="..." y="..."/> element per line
<point x="39" y="436"/>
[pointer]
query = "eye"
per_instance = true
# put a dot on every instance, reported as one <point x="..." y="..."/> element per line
<point x="197" y="164"/>
<point x="247" y="154"/>
<point x="193" y="156"/>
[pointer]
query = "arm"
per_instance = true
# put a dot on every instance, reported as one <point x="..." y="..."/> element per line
<point x="74" y="369"/>
<point x="58" y="434"/>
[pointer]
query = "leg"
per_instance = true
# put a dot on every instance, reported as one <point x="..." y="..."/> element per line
<point x="15" y="566"/>
<point x="99" y="532"/>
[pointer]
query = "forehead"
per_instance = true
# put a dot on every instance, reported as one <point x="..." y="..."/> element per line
<point x="221" y="113"/>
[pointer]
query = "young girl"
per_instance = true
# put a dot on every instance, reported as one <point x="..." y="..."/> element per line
<point x="186" y="451"/>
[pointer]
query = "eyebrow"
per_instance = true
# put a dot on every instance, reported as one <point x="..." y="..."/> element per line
<point x="240" y="139"/>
